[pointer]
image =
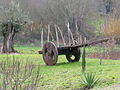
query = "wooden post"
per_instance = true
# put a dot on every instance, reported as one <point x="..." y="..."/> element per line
<point x="81" y="41"/>
<point x="77" y="32"/>
<point x="85" y="40"/>
<point x="72" y="38"/>
<point x="57" y="38"/>
<point x="69" y="43"/>
<point x="101" y="54"/>
<point x="48" y="37"/>
<point x="84" y="60"/>
<point x="61" y="35"/>
<point x="52" y="36"/>
<point x="42" y="38"/>
<point x="70" y="35"/>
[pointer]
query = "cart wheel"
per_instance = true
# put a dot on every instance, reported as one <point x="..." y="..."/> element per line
<point x="50" y="53"/>
<point x="73" y="56"/>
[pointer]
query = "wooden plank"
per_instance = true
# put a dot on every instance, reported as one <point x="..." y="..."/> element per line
<point x="85" y="45"/>
<point x="64" y="49"/>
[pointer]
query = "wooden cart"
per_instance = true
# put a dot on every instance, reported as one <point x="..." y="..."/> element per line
<point x="50" y="52"/>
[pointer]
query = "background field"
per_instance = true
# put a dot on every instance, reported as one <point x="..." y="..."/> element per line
<point x="64" y="75"/>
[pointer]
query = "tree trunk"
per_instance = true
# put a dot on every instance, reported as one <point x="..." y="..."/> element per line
<point x="8" y="44"/>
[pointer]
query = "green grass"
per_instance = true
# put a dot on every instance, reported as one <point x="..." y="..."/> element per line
<point x="67" y="76"/>
<point x="27" y="49"/>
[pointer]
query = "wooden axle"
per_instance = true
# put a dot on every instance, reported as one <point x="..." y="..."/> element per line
<point x="50" y="52"/>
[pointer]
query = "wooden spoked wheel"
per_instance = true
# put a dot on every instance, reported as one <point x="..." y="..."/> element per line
<point x="73" y="56"/>
<point x="50" y="53"/>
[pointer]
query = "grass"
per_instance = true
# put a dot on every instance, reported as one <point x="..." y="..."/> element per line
<point x="27" y="49"/>
<point x="67" y="76"/>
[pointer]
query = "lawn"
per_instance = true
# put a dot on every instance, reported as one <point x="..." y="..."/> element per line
<point x="67" y="76"/>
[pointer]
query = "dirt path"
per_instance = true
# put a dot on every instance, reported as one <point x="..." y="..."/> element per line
<point x="113" y="87"/>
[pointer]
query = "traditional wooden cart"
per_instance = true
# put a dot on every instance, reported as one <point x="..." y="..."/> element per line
<point x="50" y="51"/>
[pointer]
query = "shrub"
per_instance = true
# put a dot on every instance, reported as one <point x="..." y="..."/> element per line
<point x="112" y="28"/>
<point x="14" y="75"/>
<point x="89" y="80"/>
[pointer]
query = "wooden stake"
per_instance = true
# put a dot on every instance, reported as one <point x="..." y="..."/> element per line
<point x="57" y="38"/>
<point x="70" y="35"/>
<point x="61" y="35"/>
<point x="48" y="38"/>
<point x="42" y="38"/>
<point x="81" y="42"/>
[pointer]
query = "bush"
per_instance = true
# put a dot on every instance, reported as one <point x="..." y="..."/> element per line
<point x="89" y="80"/>
<point x="14" y="75"/>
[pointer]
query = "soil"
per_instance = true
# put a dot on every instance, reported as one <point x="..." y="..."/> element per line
<point x="113" y="87"/>
<point x="113" y="55"/>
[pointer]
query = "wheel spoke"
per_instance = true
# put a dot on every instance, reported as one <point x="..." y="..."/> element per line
<point x="50" y="53"/>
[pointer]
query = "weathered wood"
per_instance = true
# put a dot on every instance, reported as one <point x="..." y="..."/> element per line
<point x="42" y="38"/>
<point x="48" y="37"/>
<point x="65" y="49"/>
<point x="51" y="51"/>
<point x="84" y="45"/>
<point x="61" y="35"/>
<point x="57" y="38"/>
